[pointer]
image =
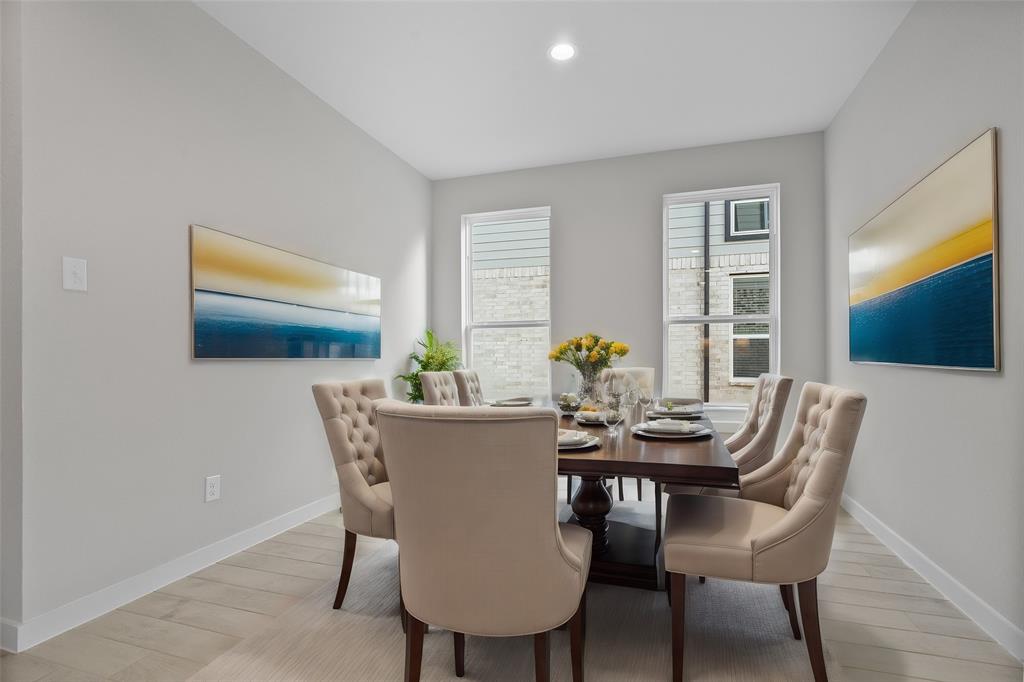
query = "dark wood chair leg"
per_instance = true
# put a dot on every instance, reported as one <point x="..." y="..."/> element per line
<point x="404" y="615"/>
<point x="703" y="579"/>
<point x="668" y="588"/>
<point x="640" y="489"/>
<point x="808" y="592"/>
<point x="568" y="489"/>
<point x="414" y="649"/>
<point x="460" y="654"/>
<point x="657" y="516"/>
<point x="787" y="600"/>
<point x="346" y="567"/>
<point x="678" y="582"/>
<point x="542" y="657"/>
<point x="577" y="635"/>
<point x="622" y="496"/>
<point x="791" y="606"/>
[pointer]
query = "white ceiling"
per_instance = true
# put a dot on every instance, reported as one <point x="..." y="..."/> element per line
<point x="462" y="88"/>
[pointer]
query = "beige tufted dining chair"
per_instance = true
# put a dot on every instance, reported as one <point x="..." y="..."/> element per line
<point x="347" y="408"/>
<point x="641" y="376"/>
<point x="439" y="388"/>
<point x="482" y="550"/>
<point x="780" y="530"/>
<point x="753" y="445"/>
<point x="470" y="392"/>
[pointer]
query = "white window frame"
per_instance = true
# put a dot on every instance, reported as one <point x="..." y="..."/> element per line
<point x="731" y="218"/>
<point x="733" y="379"/>
<point x="772" y="192"/>
<point x="468" y="326"/>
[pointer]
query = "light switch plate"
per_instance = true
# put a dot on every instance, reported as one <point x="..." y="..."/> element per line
<point x="76" y="274"/>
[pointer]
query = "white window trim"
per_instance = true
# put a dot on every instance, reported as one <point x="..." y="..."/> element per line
<point x="468" y="220"/>
<point x="772" y="192"/>
<point x="732" y="217"/>
<point x="733" y="379"/>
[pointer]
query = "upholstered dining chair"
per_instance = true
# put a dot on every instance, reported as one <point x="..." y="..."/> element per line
<point x="439" y="388"/>
<point x="641" y="377"/>
<point x="753" y="445"/>
<point x="779" y="531"/>
<point x="483" y="553"/>
<point x="347" y="408"/>
<point x="468" y="383"/>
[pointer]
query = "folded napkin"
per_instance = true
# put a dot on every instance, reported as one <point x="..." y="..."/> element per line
<point x="588" y="416"/>
<point x="696" y="408"/>
<point x="571" y="436"/>
<point x="671" y="426"/>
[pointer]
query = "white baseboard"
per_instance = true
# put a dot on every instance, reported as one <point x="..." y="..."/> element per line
<point x="15" y="636"/>
<point x="988" y="619"/>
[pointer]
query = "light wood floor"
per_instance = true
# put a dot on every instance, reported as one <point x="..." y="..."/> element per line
<point x="881" y="620"/>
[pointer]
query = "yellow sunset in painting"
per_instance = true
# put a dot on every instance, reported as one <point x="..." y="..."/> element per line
<point x="225" y="263"/>
<point x="250" y="300"/>
<point x="923" y="272"/>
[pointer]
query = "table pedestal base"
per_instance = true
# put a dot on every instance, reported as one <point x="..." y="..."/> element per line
<point x="623" y="554"/>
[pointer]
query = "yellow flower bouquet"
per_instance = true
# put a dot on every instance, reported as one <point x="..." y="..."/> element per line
<point x="589" y="354"/>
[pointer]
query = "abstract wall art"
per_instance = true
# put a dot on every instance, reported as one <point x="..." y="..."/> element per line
<point x="924" y="272"/>
<point x="250" y="300"/>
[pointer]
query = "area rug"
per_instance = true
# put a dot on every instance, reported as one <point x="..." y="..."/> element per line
<point x="735" y="631"/>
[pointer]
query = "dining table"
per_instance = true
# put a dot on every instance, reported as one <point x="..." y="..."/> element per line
<point x="626" y="552"/>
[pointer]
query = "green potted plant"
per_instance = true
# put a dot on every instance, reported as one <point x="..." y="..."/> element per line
<point x="437" y="356"/>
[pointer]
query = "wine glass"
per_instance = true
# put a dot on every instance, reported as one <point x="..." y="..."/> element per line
<point x="630" y="399"/>
<point x="612" y="414"/>
<point x="645" y="398"/>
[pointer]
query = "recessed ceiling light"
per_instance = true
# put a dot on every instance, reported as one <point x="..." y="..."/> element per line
<point x="562" y="52"/>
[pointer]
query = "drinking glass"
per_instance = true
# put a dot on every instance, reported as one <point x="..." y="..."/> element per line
<point x="629" y="400"/>
<point x="645" y="397"/>
<point x="612" y="415"/>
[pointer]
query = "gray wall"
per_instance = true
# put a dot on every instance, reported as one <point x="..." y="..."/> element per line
<point x="941" y="454"/>
<point x="606" y="235"/>
<point x="139" y="119"/>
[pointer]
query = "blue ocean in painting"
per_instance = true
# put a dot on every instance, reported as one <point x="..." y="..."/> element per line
<point x="229" y="326"/>
<point x="945" y="319"/>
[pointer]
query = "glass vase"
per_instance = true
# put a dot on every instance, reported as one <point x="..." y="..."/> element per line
<point x="589" y="386"/>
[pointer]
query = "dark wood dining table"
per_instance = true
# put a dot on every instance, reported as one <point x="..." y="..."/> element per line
<point x="625" y="553"/>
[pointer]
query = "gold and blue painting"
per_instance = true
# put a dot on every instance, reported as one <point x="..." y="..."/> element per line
<point x="924" y="271"/>
<point x="250" y="300"/>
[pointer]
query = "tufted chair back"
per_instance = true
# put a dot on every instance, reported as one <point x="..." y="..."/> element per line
<point x="642" y="377"/>
<point x="347" y="408"/>
<point x="806" y="477"/>
<point x="439" y="388"/>
<point x="470" y="392"/>
<point x="754" y="444"/>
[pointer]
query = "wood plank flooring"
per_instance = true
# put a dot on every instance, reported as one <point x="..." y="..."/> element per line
<point x="882" y="621"/>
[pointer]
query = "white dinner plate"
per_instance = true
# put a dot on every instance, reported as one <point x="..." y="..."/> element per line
<point x="513" y="402"/>
<point x="590" y="442"/>
<point x="705" y="431"/>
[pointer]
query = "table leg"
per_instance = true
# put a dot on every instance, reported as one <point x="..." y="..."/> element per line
<point x="591" y="505"/>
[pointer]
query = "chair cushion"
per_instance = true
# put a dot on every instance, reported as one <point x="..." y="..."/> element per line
<point x="377" y="521"/>
<point x="712" y="535"/>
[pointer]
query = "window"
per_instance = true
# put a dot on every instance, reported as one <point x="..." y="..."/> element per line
<point x="721" y="293"/>
<point x="748" y="219"/>
<point x="506" y="301"/>
<point x="749" y="344"/>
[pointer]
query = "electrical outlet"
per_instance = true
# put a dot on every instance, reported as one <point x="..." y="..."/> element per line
<point x="212" y="488"/>
<point x="74" y="274"/>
